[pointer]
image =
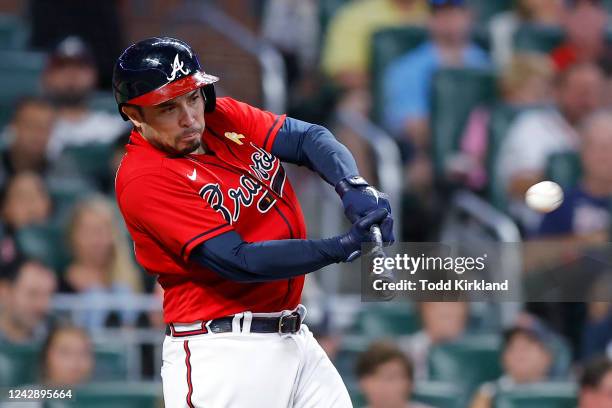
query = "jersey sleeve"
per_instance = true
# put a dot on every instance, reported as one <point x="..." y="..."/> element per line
<point x="261" y="126"/>
<point x="172" y="213"/>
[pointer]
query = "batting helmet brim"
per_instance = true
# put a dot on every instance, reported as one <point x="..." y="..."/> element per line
<point x="174" y="89"/>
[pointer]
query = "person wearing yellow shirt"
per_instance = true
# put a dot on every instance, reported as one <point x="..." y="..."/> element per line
<point x="346" y="50"/>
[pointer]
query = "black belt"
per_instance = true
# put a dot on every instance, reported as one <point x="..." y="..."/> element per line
<point x="285" y="324"/>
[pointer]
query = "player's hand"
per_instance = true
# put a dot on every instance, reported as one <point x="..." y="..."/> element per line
<point x="359" y="198"/>
<point x="360" y="232"/>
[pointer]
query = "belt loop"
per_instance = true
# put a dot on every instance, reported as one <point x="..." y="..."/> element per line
<point x="246" y="322"/>
<point x="236" y="322"/>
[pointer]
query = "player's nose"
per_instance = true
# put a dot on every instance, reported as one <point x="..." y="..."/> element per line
<point x="187" y="117"/>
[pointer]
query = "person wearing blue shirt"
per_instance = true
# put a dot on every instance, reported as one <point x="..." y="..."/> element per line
<point x="407" y="81"/>
<point x="585" y="212"/>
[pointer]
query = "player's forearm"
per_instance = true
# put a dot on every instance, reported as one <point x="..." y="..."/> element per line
<point x="234" y="259"/>
<point x="315" y="147"/>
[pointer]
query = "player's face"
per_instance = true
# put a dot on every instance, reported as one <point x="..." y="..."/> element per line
<point x="175" y="126"/>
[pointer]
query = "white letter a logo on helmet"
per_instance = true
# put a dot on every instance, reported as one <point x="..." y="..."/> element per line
<point x="177" y="66"/>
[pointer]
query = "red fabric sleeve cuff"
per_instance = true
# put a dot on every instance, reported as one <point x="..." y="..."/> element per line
<point x="272" y="132"/>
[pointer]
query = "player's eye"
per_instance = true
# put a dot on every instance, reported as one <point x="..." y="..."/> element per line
<point x="168" y="109"/>
<point x="195" y="97"/>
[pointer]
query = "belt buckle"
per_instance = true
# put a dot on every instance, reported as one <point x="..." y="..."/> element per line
<point x="285" y="315"/>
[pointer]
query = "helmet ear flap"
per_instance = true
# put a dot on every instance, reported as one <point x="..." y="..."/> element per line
<point x="211" y="98"/>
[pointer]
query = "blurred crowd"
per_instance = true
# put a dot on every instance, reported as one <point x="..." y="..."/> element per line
<point x="546" y="66"/>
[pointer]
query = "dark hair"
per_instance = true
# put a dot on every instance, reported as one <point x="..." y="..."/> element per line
<point x="533" y="334"/>
<point x="594" y="371"/>
<point x="379" y="353"/>
<point x="10" y="270"/>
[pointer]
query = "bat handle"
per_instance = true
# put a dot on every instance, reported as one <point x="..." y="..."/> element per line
<point x="377" y="251"/>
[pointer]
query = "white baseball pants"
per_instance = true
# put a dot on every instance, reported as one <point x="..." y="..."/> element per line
<point x="250" y="370"/>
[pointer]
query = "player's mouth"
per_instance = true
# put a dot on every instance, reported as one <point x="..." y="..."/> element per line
<point x="191" y="136"/>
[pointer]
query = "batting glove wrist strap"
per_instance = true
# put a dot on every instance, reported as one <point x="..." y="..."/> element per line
<point x="350" y="183"/>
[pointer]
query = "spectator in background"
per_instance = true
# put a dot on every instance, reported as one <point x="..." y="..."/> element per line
<point x="386" y="377"/>
<point x="408" y="79"/>
<point x="69" y="81"/>
<point x="596" y="384"/>
<point x="536" y="134"/>
<point x="100" y="23"/>
<point x="101" y="261"/>
<point x="584" y="214"/>
<point x="27" y="137"/>
<point x="502" y="28"/>
<point x="346" y="49"/>
<point x="523" y="83"/>
<point x="25" y="202"/>
<point x="67" y="357"/>
<point x="585" y="28"/>
<point x="442" y="322"/>
<point x="26" y="288"/>
<point x="526" y="359"/>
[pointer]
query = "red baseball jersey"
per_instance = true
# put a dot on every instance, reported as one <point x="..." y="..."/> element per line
<point x="172" y="204"/>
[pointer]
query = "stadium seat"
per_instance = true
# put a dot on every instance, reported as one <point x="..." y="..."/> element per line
<point x="502" y="117"/>
<point x="472" y="88"/>
<point x="111" y="362"/>
<point x="327" y="10"/>
<point x="45" y="243"/>
<point x="564" y="169"/>
<point x="65" y="194"/>
<point x="18" y="365"/>
<point x="355" y="393"/>
<point x="434" y="394"/>
<point x="103" y="101"/>
<point x="92" y="161"/>
<point x="547" y="395"/>
<point x="530" y="37"/>
<point x="437" y="394"/>
<point x="388" y="45"/>
<point x="19" y="73"/>
<point x="19" y="76"/>
<point x="118" y="395"/>
<point x="14" y="32"/>
<point x="485" y="9"/>
<point x="346" y="357"/>
<point x="468" y="362"/>
<point x="387" y="320"/>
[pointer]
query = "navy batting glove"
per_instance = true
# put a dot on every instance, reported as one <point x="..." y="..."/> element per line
<point x="359" y="198"/>
<point x="360" y="232"/>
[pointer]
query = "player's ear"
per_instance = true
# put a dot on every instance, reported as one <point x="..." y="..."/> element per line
<point x="134" y="114"/>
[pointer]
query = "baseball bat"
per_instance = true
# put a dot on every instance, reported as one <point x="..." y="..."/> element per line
<point x="387" y="276"/>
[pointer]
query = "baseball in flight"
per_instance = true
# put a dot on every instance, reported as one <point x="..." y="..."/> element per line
<point x="545" y="196"/>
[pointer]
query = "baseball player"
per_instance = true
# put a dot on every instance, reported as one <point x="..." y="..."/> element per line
<point x="210" y="209"/>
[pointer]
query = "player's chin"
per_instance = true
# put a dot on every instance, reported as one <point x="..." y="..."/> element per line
<point x="188" y="146"/>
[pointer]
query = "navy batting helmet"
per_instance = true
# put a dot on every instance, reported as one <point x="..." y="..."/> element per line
<point x="158" y="69"/>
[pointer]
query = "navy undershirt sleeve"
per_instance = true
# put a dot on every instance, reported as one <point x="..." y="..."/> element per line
<point x="314" y="146"/>
<point x="231" y="257"/>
